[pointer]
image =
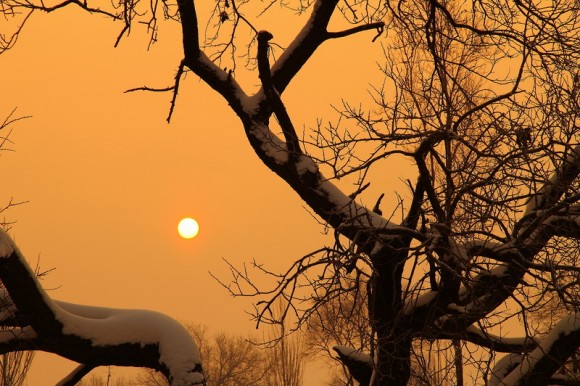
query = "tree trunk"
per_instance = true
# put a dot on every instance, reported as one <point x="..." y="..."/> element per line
<point x="393" y="349"/>
<point x="458" y="361"/>
<point x="393" y="363"/>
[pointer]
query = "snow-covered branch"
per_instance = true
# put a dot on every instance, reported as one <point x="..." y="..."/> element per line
<point x="94" y="336"/>
<point x="543" y="219"/>
<point x="194" y="58"/>
<point x="539" y="365"/>
<point x="359" y="364"/>
<point x="549" y="194"/>
<point x="491" y="341"/>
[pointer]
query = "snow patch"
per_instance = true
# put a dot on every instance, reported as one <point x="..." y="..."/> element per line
<point x="109" y="326"/>
<point x="503" y="367"/>
<point x="250" y="104"/>
<point x="272" y="146"/>
<point x="519" y="341"/>
<point x="419" y="301"/>
<point x="352" y="210"/>
<point x="305" y="165"/>
<point x="355" y="355"/>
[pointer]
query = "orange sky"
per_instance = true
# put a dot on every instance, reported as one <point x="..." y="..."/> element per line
<point x="107" y="179"/>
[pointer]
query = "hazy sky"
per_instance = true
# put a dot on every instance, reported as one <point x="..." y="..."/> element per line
<point x="107" y="179"/>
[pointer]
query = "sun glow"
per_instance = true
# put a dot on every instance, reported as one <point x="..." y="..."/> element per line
<point x="188" y="228"/>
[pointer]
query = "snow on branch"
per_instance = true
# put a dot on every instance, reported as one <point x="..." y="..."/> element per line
<point x="538" y="367"/>
<point x="485" y="339"/>
<point x="359" y="365"/>
<point x="195" y="59"/>
<point x="545" y="217"/>
<point x="499" y="343"/>
<point x="94" y="336"/>
<point x="554" y="188"/>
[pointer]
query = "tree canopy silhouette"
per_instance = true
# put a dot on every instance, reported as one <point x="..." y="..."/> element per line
<point x="482" y="97"/>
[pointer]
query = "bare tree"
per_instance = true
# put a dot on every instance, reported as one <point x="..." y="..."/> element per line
<point x="106" y="381"/>
<point x="341" y="321"/>
<point x="285" y="350"/>
<point x="229" y="360"/>
<point x="481" y="97"/>
<point x="234" y="360"/>
<point x="14" y="366"/>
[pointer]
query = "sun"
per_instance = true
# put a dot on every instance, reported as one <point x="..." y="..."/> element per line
<point x="188" y="228"/>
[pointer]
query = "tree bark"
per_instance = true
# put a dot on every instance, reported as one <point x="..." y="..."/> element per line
<point x="393" y="344"/>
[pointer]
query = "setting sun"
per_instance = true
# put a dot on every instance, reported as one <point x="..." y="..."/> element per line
<point x="188" y="228"/>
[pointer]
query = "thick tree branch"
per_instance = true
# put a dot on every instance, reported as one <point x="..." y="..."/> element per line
<point x="91" y="335"/>
<point x="195" y="59"/>
<point x="537" y="368"/>
<point x="273" y="97"/>
<point x="484" y="339"/>
<point x="379" y="26"/>
<point x="25" y="291"/>
<point x="359" y="365"/>
<point x="559" y="183"/>
<point x="189" y="29"/>
<point x="414" y="214"/>
<point x="312" y="35"/>
<point x="76" y="375"/>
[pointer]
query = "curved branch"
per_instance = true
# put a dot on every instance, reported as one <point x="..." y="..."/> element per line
<point x="379" y="26"/>
<point x="312" y="35"/>
<point x="553" y="189"/>
<point x="491" y="341"/>
<point x="76" y="375"/>
<point x="359" y="365"/>
<point x="539" y="366"/>
<point x="92" y="335"/>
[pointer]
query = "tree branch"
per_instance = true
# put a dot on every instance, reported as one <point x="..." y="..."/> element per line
<point x="195" y="59"/>
<point x="549" y="194"/>
<point x="379" y="26"/>
<point x="413" y="215"/>
<point x="24" y="290"/>
<point x="76" y="375"/>
<point x="312" y="35"/>
<point x="190" y="33"/>
<point x="359" y="365"/>
<point x="484" y="339"/>
<point x="538" y="367"/>
<point x="273" y="97"/>
<point x="92" y="335"/>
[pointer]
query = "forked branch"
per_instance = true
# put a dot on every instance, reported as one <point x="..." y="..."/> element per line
<point x="273" y="97"/>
